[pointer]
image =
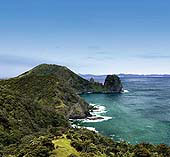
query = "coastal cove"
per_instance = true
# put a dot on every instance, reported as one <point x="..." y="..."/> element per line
<point x="141" y="114"/>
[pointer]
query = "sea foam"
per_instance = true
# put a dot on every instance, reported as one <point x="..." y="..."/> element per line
<point x="89" y="128"/>
<point x="125" y="91"/>
<point x="97" y="114"/>
<point x="103" y="118"/>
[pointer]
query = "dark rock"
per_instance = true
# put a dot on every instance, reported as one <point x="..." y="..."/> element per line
<point x="95" y="118"/>
<point x="113" y="83"/>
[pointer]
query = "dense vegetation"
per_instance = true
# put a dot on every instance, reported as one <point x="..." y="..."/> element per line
<point x="49" y="91"/>
<point x="34" y="112"/>
<point x="77" y="83"/>
<point x="74" y="142"/>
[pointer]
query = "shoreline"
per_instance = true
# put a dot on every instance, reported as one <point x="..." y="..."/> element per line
<point x="104" y="92"/>
<point x="96" y="116"/>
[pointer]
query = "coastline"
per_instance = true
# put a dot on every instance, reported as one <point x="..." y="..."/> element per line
<point x="96" y="116"/>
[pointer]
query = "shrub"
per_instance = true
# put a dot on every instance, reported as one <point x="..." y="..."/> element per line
<point x="142" y="152"/>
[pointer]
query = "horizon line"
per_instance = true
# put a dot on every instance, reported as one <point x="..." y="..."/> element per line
<point x="126" y="74"/>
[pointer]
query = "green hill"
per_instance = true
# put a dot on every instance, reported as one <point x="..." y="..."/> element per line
<point x="34" y="112"/>
<point x="65" y="75"/>
<point x="68" y="77"/>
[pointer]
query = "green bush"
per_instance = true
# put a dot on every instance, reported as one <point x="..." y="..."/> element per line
<point x="142" y="152"/>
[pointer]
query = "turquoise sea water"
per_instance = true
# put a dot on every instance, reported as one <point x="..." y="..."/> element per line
<point x="140" y="115"/>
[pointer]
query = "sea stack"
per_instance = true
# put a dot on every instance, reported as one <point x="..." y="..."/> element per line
<point x="113" y="83"/>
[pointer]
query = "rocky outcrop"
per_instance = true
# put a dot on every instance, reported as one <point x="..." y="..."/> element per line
<point x="79" y="110"/>
<point x="113" y="83"/>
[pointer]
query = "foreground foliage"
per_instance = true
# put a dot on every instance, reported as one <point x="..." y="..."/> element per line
<point x="76" y="142"/>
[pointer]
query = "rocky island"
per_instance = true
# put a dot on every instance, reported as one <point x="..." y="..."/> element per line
<point x="34" y="112"/>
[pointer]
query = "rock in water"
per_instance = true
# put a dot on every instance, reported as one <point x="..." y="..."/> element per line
<point x="113" y="83"/>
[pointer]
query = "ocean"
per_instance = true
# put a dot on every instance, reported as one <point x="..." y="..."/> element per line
<point x="140" y="114"/>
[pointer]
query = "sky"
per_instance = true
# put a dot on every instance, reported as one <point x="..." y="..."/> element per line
<point x="87" y="36"/>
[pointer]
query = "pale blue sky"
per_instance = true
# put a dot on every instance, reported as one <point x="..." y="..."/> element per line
<point x="88" y="36"/>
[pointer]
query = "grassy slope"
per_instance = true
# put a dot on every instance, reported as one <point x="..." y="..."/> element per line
<point x="63" y="147"/>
